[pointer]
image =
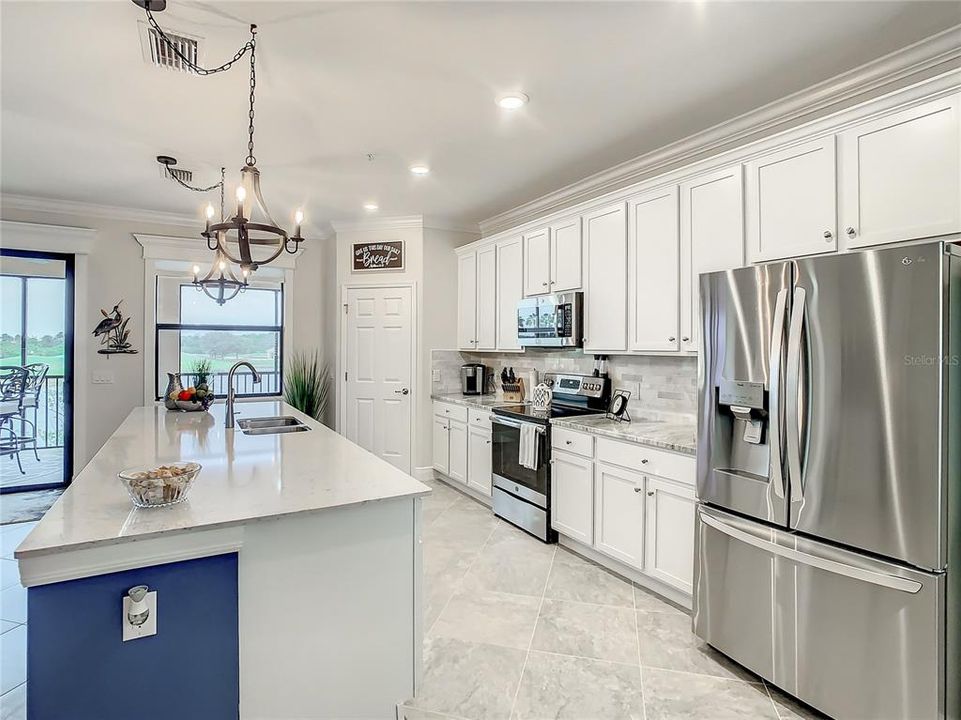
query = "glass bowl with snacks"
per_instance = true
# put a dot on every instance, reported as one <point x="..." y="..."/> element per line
<point x="159" y="485"/>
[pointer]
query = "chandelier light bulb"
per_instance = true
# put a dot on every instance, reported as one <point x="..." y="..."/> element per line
<point x="245" y="272"/>
<point x="222" y="265"/>
<point x="241" y="193"/>
<point x="210" y="211"/>
<point x="196" y="269"/>
<point x="299" y="217"/>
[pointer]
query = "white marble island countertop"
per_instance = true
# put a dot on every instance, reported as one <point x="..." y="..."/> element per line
<point x="668" y="433"/>
<point x="245" y="478"/>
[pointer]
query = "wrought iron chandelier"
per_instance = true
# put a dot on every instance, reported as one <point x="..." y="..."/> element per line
<point x="221" y="283"/>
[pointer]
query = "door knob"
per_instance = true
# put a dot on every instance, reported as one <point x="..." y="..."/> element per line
<point x="828" y="235"/>
<point x="851" y="232"/>
<point x="405" y="391"/>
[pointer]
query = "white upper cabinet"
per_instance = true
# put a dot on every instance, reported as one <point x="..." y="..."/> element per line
<point x="653" y="253"/>
<point x="486" y="334"/>
<point x="467" y="301"/>
<point x="792" y="202"/>
<point x="712" y="238"/>
<point x="510" y="289"/>
<point x="537" y="262"/>
<point x="901" y="175"/>
<point x="605" y="297"/>
<point x="566" y="256"/>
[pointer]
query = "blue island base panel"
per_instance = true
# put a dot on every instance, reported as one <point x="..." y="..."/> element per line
<point x="78" y="667"/>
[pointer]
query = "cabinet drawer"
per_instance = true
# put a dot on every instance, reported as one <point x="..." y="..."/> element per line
<point x="452" y="412"/>
<point x="575" y="442"/>
<point x="647" y="460"/>
<point x="479" y="418"/>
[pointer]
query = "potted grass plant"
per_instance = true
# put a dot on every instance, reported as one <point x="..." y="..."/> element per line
<point x="307" y="384"/>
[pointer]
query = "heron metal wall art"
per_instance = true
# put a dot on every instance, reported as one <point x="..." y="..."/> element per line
<point x="113" y="332"/>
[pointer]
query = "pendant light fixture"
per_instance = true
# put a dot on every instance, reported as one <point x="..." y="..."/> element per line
<point x="240" y="229"/>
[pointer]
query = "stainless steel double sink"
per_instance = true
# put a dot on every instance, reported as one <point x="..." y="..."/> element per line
<point x="271" y="425"/>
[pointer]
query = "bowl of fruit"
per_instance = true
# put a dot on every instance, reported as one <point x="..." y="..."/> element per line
<point x="193" y="399"/>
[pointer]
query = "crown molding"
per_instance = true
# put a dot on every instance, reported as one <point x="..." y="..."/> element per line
<point x="46" y="238"/>
<point x="403" y="222"/>
<point x="29" y="203"/>
<point x="938" y="53"/>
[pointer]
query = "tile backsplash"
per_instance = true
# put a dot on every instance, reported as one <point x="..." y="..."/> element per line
<point x="658" y="385"/>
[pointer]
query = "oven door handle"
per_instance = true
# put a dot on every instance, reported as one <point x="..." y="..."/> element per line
<point x="540" y="429"/>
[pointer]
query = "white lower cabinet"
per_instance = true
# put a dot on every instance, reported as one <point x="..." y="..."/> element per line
<point x="479" y="459"/>
<point x="619" y="514"/>
<point x="572" y="496"/>
<point x="462" y="445"/>
<point x="669" y="542"/>
<point x="644" y="521"/>
<point x="457" y="436"/>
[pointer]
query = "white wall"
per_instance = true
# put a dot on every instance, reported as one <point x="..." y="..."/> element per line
<point x="431" y="265"/>
<point x="116" y="271"/>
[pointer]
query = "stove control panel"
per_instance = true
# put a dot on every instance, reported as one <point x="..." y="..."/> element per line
<point x="583" y="385"/>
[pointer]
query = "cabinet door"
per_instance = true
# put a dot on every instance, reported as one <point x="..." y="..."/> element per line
<point x="619" y="514"/>
<point x="479" y="459"/>
<point x="572" y="496"/>
<point x="467" y="301"/>
<point x="566" y="256"/>
<point x="605" y="302"/>
<point x="712" y="238"/>
<point x="653" y="280"/>
<point x="441" y="446"/>
<point x="792" y="202"/>
<point x="537" y="262"/>
<point x="669" y="546"/>
<point x="458" y="450"/>
<point x="486" y="335"/>
<point x="510" y="289"/>
<point x="901" y="176"/>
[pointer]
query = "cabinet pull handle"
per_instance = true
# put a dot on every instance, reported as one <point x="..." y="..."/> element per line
<point x="671" y="339"/>
<point x="851" y="232"/>
<point x="637" y="489"/>
<point x="544" y="284"/>
<point x="686" y="339"/>
<point x="643" y="461"/>
<point x="569" y="442"/>
<point x="828" y="235"/>
<point x="650" y="493"/>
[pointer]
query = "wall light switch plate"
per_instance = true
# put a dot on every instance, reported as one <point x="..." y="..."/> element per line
<point x="149" y="627"/>
<point x="102" y="378"/>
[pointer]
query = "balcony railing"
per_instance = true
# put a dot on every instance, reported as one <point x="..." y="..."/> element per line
<point x="243" y="383"/>
<point x="48" y="416"/>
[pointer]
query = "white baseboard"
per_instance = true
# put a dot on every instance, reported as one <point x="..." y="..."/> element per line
<point x="423" y="473"/>
<point x="672" y="594"/>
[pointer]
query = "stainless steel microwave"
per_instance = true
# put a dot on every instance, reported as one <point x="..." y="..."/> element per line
<point x="551" y="320"/>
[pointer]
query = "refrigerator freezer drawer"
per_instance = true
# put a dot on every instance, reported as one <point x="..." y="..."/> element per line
<point x="852" y="636"/>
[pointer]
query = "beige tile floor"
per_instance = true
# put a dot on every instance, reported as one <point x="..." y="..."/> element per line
<point x="516" y="629"/>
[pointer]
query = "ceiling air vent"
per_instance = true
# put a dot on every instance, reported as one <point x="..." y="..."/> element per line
<point x="158" y="53"/>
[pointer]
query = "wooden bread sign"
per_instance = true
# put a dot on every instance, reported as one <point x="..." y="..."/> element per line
<point x="374" y="256"/>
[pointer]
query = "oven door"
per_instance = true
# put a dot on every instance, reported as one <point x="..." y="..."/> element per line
<point x="508" y="473"/>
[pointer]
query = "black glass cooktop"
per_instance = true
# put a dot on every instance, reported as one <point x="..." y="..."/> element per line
<point x="529" y="414"/>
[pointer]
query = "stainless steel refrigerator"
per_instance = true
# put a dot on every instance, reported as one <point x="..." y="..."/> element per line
<point x="828" y="527"/>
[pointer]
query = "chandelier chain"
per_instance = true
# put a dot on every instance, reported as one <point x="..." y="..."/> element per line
<point x="251" y="160"/>
<point x="194" y="188"/>
<point x="200" y="70"/>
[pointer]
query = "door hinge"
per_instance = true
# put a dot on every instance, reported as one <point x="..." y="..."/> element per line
<point x="345" y="376"/>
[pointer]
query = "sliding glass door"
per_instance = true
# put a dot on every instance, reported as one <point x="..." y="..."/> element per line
<point x="36" y="370"/>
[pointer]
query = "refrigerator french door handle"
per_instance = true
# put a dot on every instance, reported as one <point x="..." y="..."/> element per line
<point x="774" y="393"/>
<point x="833" y="566"/>
<point x="792" y="388"/>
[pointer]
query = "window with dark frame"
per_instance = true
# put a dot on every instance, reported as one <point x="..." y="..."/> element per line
<point x="248" y="327"/>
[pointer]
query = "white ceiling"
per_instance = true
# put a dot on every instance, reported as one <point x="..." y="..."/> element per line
<point x="83" y="116"/>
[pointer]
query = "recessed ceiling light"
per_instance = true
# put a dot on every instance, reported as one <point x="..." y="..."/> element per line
<point x="513" y="101"/>
<point x="370" y="206"/>
<point x="419" y="169"/>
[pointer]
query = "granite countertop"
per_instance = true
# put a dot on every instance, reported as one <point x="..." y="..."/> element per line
<point x="668" y="433"/>
<point x="481" y="402"/>
<point x="245" y="478"/>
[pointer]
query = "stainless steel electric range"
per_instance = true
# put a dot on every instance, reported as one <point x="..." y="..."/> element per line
<point x="521" y="495"/>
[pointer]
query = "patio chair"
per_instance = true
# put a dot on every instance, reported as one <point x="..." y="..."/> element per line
<point x="36" y="374"/>
<point x="13" y="385"/>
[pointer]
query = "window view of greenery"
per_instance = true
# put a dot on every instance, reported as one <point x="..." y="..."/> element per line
<point x="39" y="301"/>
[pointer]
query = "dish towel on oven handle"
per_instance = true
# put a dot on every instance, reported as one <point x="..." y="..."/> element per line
<point x="528" y="446"/>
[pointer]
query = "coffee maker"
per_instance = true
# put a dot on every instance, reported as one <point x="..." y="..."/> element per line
<point x="473" y="378"/>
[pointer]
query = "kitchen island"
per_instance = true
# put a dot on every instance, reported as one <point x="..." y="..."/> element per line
<point x="288" y="583"/>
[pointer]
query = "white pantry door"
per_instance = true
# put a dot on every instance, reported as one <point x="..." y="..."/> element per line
<point x="379" y="403"/>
